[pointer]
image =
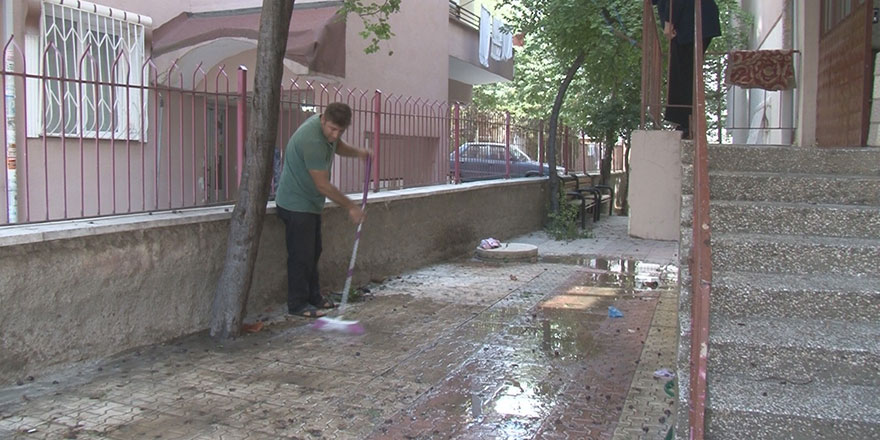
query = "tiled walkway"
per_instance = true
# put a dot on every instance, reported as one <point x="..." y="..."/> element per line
<point x="458" y="350"/>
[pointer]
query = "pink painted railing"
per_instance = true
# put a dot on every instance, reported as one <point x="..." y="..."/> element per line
<point x="651" y="69"/>
<point x="701" y="254"/>
<point x="700" y="261"/>
<point x="92" y="146"/>
<point x="176" y="139"/>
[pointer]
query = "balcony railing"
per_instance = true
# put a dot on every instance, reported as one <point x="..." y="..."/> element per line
<point x="463" y="15"/>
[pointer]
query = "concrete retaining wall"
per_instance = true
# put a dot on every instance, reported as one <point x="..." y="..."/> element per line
<point x="81" y="290"/>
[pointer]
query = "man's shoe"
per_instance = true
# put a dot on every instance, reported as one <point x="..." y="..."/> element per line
<point x="308" y="311"/>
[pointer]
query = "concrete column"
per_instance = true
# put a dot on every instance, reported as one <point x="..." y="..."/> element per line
<point x="807" y="40"/>
<point x="655" y="185"/>
<point x="874" y="128"/>
<point x="738" y="110"/>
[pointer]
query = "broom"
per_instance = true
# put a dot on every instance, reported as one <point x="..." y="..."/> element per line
<point x="338" y="324"/>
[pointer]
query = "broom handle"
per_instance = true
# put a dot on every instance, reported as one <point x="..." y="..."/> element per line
<point x="357" y="238"/>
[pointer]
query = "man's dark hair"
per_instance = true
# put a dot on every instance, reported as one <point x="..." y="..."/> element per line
<point x="338" y="113"/>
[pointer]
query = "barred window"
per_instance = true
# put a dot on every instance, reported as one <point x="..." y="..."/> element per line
<point x="91" y="58"/>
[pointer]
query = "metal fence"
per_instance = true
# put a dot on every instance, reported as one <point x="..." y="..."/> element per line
<point x="111" y="142"/>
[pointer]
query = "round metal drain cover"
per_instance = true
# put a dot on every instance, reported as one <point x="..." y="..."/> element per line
<point x="518" y="252"/>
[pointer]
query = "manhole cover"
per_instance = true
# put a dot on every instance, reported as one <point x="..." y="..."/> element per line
<point x="509" y="252"/>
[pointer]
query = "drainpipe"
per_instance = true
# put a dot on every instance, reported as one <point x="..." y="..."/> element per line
<point x="11" y="175"/>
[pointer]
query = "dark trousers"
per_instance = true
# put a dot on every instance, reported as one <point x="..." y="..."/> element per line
<point x="681" y="83"/>
<point x="303" y="237"/>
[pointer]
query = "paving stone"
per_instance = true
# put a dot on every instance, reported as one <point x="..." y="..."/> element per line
<point x="465" y="350"/>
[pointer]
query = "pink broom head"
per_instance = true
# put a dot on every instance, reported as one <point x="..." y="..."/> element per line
<point x="338" y="325"/>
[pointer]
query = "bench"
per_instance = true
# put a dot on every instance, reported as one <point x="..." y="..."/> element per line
<point x="584" y="200"/>
<point x="606" y="191"/>
<point x="587" y="198"/>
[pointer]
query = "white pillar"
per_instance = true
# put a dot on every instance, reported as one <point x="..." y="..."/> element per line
<point x="807" y="72"/>
<point x="9" y="92"/>
<point x="655" y="185"/>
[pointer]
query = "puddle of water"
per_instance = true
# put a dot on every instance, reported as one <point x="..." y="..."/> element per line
<point x="601" y="264"/>
<point x="476" y="406"/>
<point x="520" y="399"/>
<point x="629" y="274"/>
<point x="568" y="336"/>
<point x="623" y="266"/>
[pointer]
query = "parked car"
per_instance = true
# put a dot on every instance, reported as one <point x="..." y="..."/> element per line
<point x="486" y="160"/>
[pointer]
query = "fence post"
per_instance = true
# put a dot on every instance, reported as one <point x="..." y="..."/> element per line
<point x="507" y="145"/>
<point x="583" y="150"/>
<point x="241" y="136"/>
<point x="567" y="150"/>
<point x="541" y="148"/>
<point x="457" y="129"/>
<point x="377" y="135"/>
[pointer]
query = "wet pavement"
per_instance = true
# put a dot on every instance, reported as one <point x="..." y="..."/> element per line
<point x="465" y="349"/>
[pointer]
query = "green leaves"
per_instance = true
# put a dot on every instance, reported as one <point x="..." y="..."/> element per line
<point x="375" y="19"/>
<point x="555" y="32"/>
<point x="604" y="96"/>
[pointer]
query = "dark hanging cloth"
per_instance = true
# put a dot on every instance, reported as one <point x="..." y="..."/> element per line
<point x="681" y="59"/>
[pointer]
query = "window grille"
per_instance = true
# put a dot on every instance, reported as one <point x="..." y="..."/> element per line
<point x="91" y="59"/>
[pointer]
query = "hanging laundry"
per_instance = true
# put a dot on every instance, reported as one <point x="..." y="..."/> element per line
<point x="506" y="45"/>
<point x="485" y="35"/>
<point x="495" y="47"/>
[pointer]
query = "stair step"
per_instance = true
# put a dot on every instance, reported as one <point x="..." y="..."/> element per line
<point x="796" y="350"/>
<point x="802" y="296"/>
<point x="770" y="158"/>
<point x="794" y="188"/>
<point x="795" y="219"/>
<point x="741" y="408"/>
<point x="777" y="218"/>
<point x="794" y="340"/>
<point x="794" y="254"/>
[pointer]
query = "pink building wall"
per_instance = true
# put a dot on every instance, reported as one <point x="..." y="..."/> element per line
<point x="413" y="79"/>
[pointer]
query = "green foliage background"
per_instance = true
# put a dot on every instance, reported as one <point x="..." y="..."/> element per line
<point x="604" y="99"/>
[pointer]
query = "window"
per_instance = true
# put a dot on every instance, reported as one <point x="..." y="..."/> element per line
<point x="475" y="151"/>
<point x="92" y="58"/>
<point x="517" y="155"/>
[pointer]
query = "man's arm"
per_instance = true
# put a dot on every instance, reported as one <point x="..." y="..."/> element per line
<point x="323" y="185"/>
<point x="346" y="150"/>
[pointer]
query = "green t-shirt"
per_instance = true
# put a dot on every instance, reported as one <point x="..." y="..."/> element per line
<point x="306" y="150"/>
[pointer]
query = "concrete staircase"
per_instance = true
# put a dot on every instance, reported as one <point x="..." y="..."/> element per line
<point x="795" y="310"/>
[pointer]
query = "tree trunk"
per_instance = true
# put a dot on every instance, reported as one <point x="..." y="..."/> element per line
<point x="623" y="193"/>
<point x="246" y="224"/>
<point x="554" y="121"/>
<point x="605" y="166"/>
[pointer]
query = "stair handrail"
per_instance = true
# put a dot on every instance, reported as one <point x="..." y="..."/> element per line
<point x="701" y="252"/>
<point x="651" y="68"/>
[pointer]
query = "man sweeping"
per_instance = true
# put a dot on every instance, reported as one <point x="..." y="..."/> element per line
<point x="305" y="182"/>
